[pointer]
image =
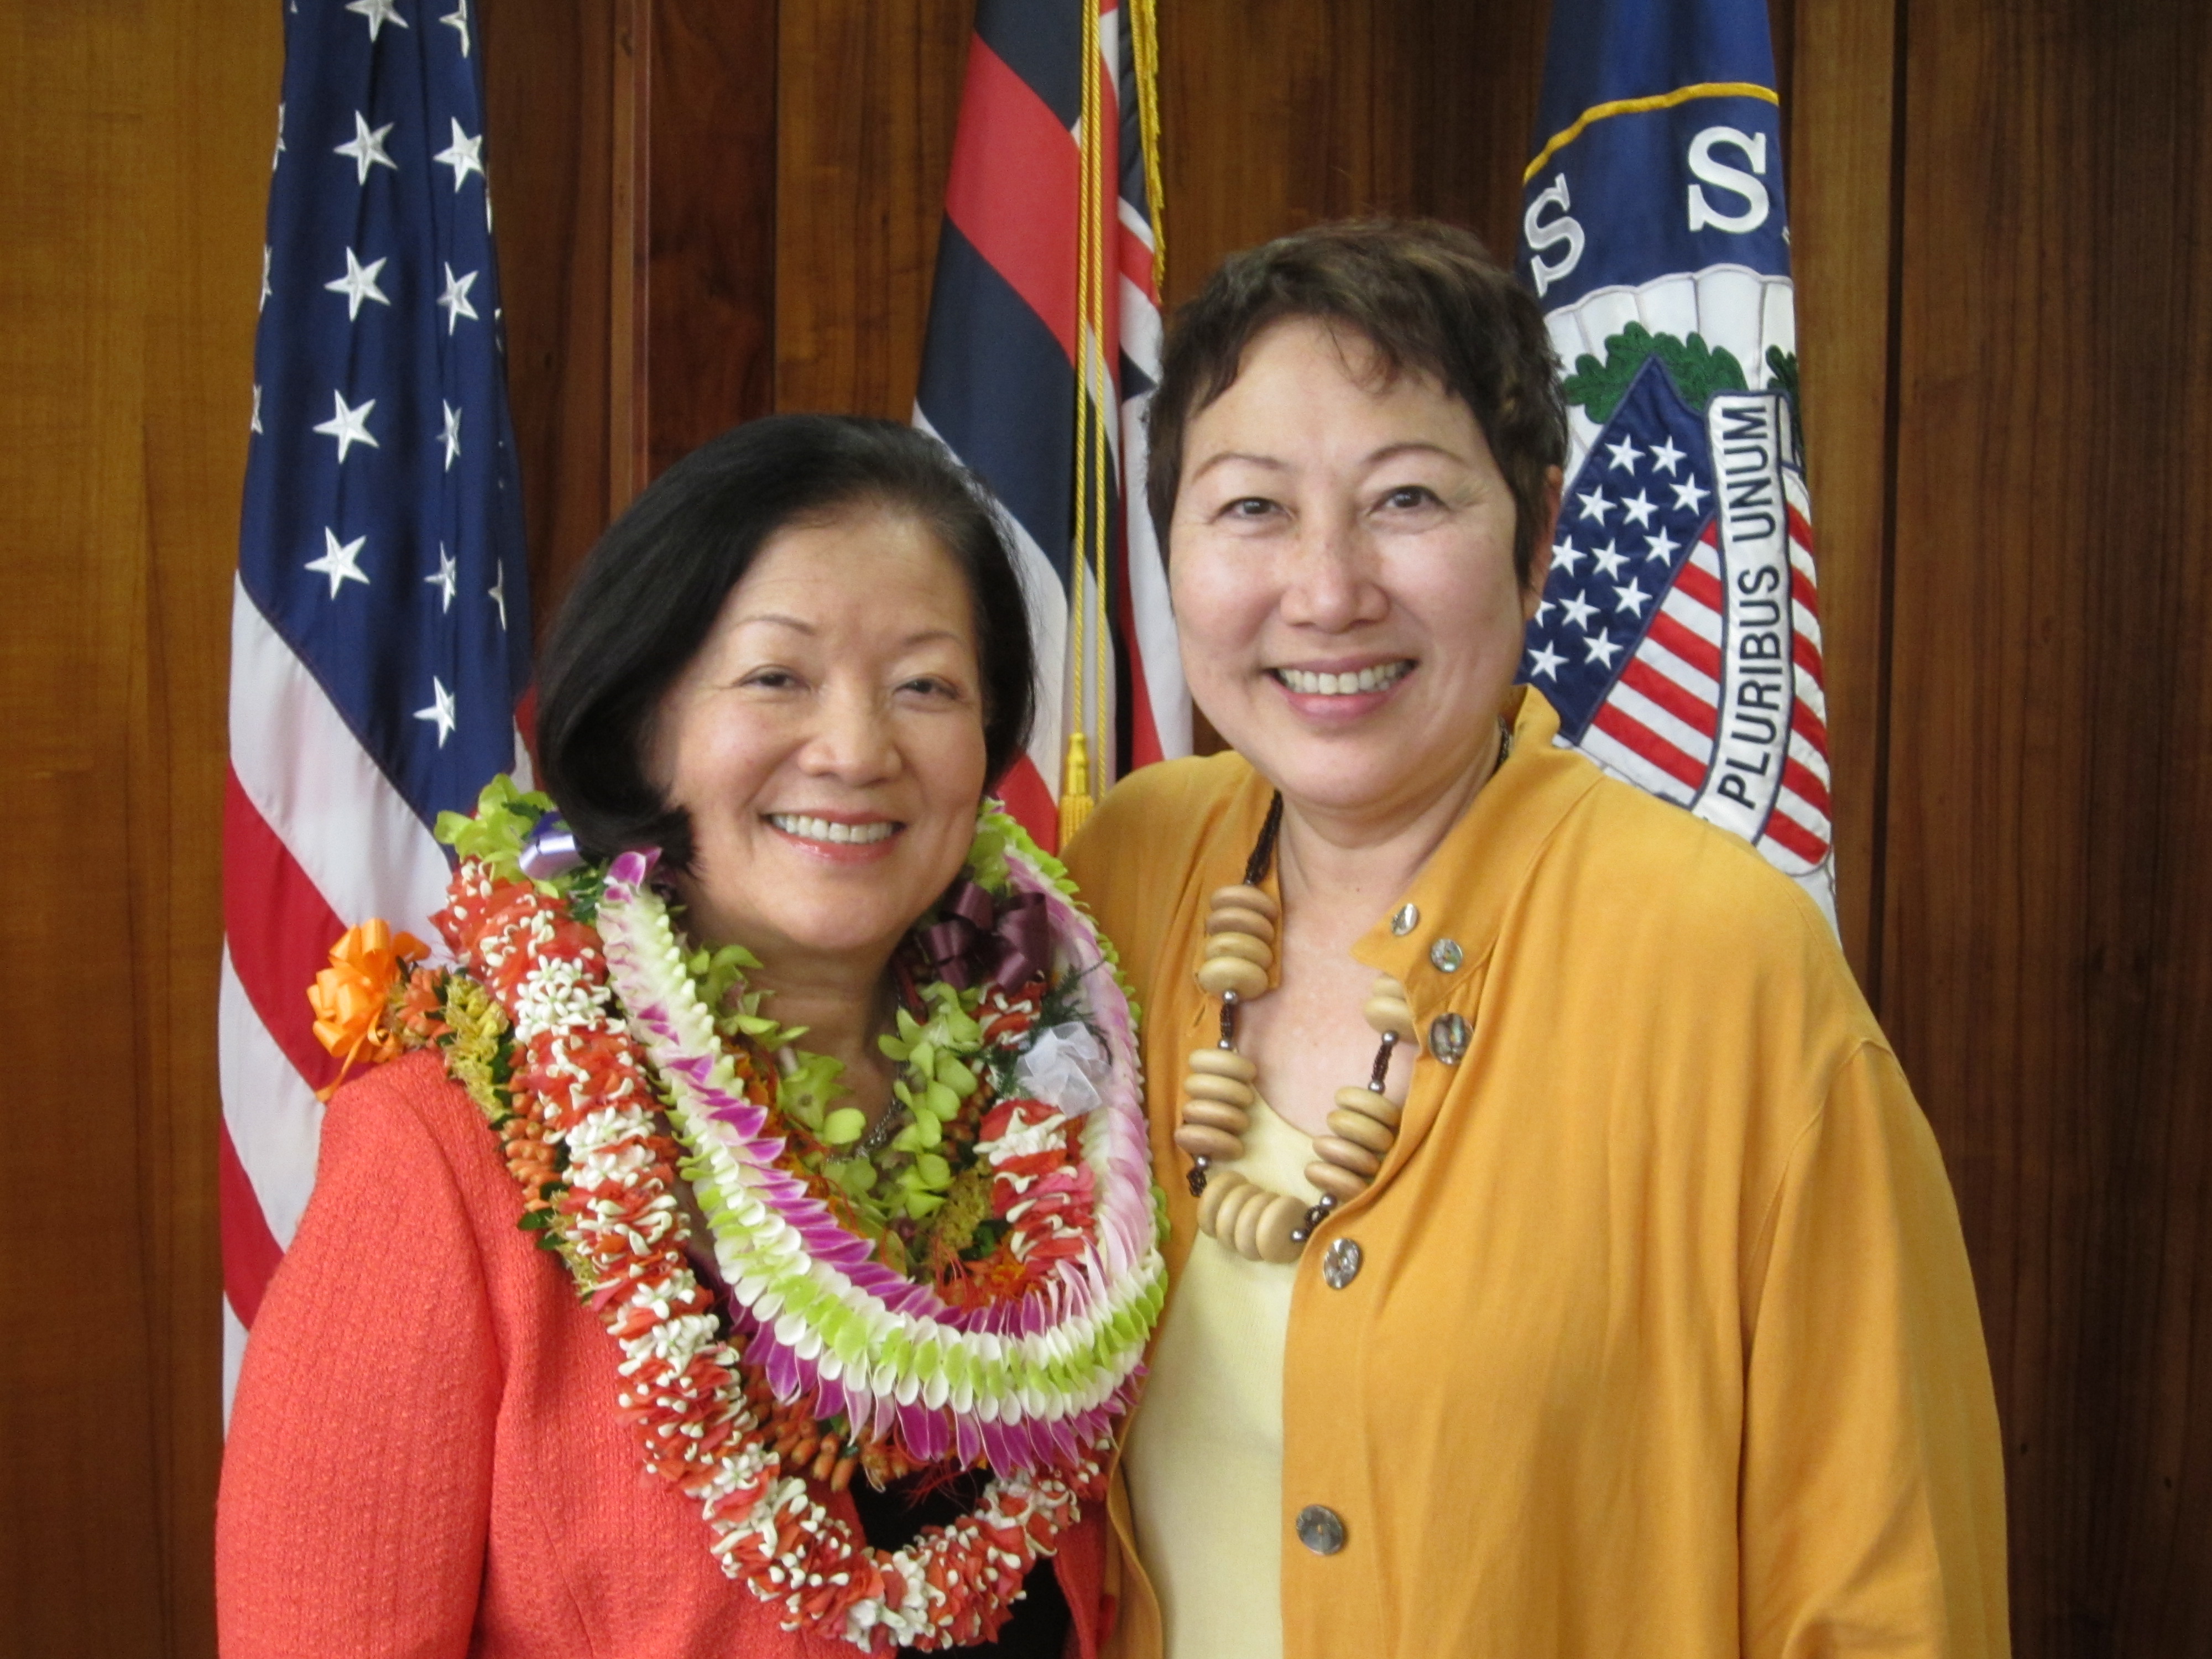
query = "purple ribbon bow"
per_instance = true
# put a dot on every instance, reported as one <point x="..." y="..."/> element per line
<point x="1007" y="941"/>
<point x="550" y="850"/>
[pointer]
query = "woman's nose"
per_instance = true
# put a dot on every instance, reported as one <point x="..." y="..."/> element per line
<point x="1330" y="585"/>
<point x="851" y="740"/>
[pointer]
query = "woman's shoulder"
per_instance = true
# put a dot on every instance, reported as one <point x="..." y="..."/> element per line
<point x="1647" y="870"/>
<point x="409" y="1112"/>
<point x="1136" y="855"/>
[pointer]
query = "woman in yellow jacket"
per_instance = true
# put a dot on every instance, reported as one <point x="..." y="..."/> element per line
<point x="1562" y="1265"/>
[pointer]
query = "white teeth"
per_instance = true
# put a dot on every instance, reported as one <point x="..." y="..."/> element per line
<point x="1309" y="684"/>
<point x="808" y="829"/>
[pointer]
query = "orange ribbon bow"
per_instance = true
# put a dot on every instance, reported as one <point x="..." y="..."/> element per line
<point x="352" y="996"/>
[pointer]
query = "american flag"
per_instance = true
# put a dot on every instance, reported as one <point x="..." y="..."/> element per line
<point x="1678" y="633"/>
<point x="1035" y="274"/>
<point x="379" y="634"/>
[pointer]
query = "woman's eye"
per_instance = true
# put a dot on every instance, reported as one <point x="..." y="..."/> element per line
<point x="772" y="679"/>
<point x="1249" y="507"/>
<point x="1408" y="497"/>
<point x="929" y="685"/>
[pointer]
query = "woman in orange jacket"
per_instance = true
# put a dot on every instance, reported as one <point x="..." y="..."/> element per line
<point x="1561" y="1266"/>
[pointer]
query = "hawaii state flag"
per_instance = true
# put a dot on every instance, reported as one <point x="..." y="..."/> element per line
<point x="1678" y="634"/>
<point x="380" y="625"/>
<point x="1045" y="272"/>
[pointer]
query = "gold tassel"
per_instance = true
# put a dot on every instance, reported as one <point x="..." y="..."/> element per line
<point x="1075" y="802"/>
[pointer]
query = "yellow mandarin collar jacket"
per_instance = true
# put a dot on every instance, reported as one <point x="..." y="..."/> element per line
<point x="1663" y="1342"/>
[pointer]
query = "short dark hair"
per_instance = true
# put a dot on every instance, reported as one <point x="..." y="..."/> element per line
<point x="649" y="593"/>
<point x="1426" y="296"/>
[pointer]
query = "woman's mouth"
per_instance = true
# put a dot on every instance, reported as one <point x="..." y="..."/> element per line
<point x="830" y="832"/>
<point x="1350" y="683"/>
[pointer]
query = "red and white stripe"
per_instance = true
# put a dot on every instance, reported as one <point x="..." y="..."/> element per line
<point x="315" y="838"/>
<point x="1657" y="726"/>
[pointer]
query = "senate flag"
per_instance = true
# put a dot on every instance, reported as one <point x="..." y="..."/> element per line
<point x="1678" y="634"/>
<point x="1042" y="350"/>
<point x="380" y="634"/>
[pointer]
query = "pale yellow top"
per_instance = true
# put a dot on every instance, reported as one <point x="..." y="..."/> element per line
<point x="1664" y="1345"/>
<point x="1205" y="1455"/>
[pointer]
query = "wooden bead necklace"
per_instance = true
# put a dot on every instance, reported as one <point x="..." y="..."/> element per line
<point x="1219" y="1092"/>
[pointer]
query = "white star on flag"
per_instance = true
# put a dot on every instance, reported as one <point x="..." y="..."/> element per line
<point x="440" y="711"/>
<point x="497" y="594"/>
<point x="1599" y="649"/>
<point x="464" y="156"/>
<point x="340" y="564"/>
<point x="1663" y="546"/>
<point x="1666" y="456"/>
<point x="367" y="149"/>
<point x="1631" y="598"/>
<point x="279" y="154"/>
<point x="1609" y="559"/>
<point x="446" y="580"/>
<point x="1690" y="494"/>
<point x="359" y="284"/>
<point x="1625" y="454"/>
<point x="451" y="437"/>
<point x="1596" y="504"/>
<point x="1545" y="661"/>
<point x="1564" y="553"/>
<point x="256" y="424"/>
<point x="454" y="301"/>
<point x="350" y="426"/>
<point x="1639" y="509"/>
<point x="266" y="255"/>
<point x="458" y="20"/>
<point x="1579" y="610"/>
<point x="378" y="13"/>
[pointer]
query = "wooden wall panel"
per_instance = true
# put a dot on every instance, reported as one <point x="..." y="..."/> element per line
<point x="549" y="89"/>
<point x="2045" y="958"/>
<point x="868" y="97"/>
<point x="1279" y="115"/>
<point x="132" y="210"/>
<point x="1841" y="122"/>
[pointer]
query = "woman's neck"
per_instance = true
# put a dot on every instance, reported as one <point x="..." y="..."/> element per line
<point x="845" y="1003"/>
<point x="1343" y="868"/>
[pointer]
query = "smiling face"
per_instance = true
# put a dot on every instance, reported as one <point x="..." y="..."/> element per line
<point x="1342" y="568"/>
<point x="828" y="742"/>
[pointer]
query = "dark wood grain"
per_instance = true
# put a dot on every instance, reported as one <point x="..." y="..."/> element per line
<point x="549" y="84"/>
<point x="870" y="95"/>
<point x="131" y="209"/>
<point x="709" y="332"/>
<point x="1842" y="199"/>
<point x="1279" y="115"/>
<point x="2047" y="963"/>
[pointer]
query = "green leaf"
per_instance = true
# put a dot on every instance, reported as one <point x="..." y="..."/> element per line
<point x="844" y="1125"/>
<point x="943" y="1101"/>
<point x="953" y="1075"/>
<point x="922" y="1205"/>
<point x="1697" y="369"/>
<point x="934" y="1171"/>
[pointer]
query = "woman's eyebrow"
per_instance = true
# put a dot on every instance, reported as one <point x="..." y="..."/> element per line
<point x="1214" y="460"/>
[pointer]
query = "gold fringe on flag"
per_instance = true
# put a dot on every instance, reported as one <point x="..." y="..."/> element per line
<point x="1089" y="588"/>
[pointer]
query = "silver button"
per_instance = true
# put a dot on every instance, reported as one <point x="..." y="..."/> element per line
<point x="1340" y="1266"/>
<point x="1408" y="917"/>
<point x="1448" y="1037"/>
<point x="1320" y="1530"/>
<point x="1447" y="955"/>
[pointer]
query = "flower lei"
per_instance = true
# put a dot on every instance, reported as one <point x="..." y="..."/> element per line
<point x="576" y="1019"/>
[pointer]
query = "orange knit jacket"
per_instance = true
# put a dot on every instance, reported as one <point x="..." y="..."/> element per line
<point x="425" y="1457"/>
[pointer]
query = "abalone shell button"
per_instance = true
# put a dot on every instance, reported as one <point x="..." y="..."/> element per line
<point x="1320" y="1530"/>
<point x="1448" y="1038"/>
<point x="1407" y="918"/>
<point x="1340" y="1265"/>
<point x="1447" y="955"/>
